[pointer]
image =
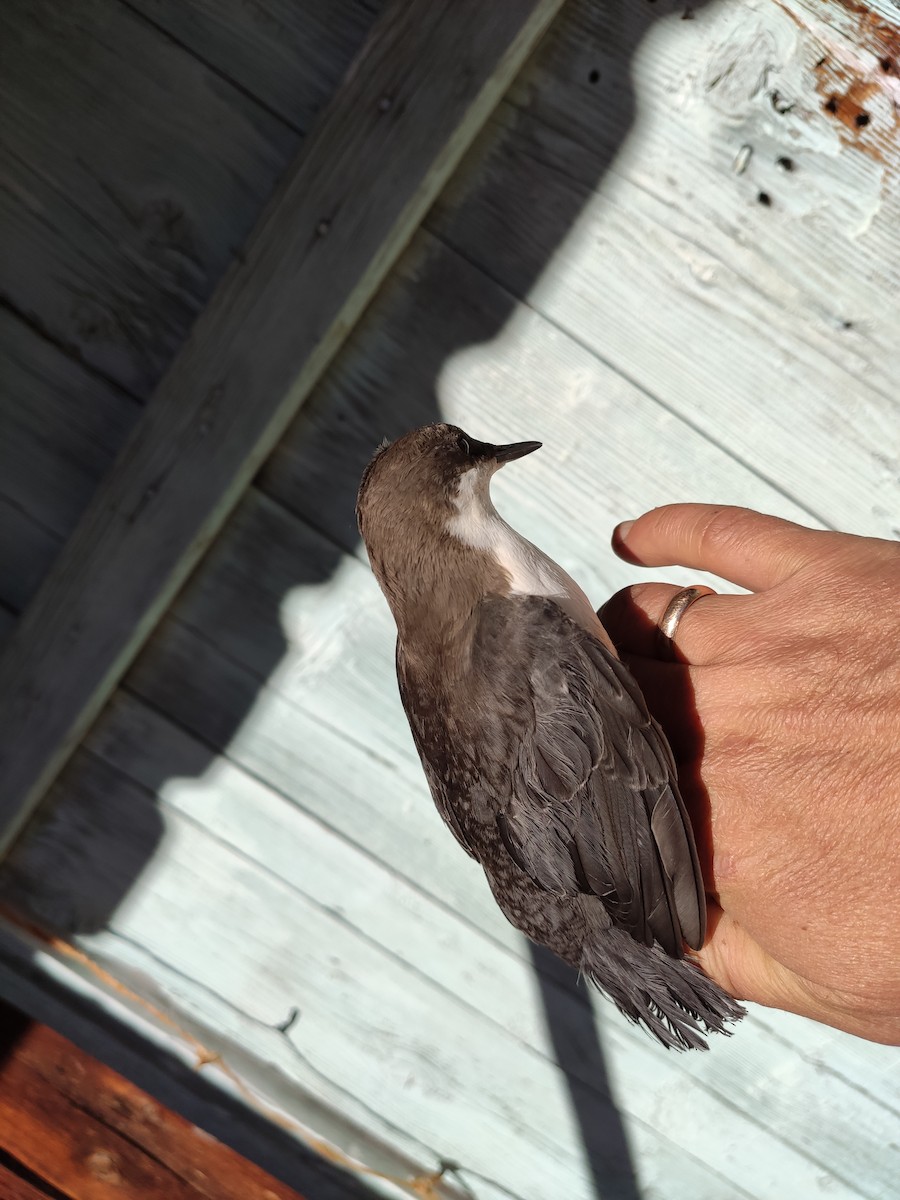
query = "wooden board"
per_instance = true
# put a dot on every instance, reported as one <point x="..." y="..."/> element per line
<point x="60" y="427"/>
<point x="14" y="1187"/>
<point x="327" y="241"/>
<point x="287" y="56"/>
<point x="133" y="173"/>
<point x="72" y="1127"/>
<point x="248" y="832"/>
<point x="27" y="551"/>
<point x="118" y="219"/>
<point x="295" y="688"/>
<point x="101" y="1023"/>
<point x="332" y="642"/>
<point x="770" y="328"/>
<point x="320" y="910"/>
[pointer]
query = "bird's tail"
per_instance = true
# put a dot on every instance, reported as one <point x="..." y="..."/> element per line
<point x="670" y="997"/>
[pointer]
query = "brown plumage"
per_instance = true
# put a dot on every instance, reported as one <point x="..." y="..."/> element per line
<point x="536" y="742"/>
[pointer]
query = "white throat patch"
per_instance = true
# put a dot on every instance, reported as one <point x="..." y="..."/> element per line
<point x="478" y="524"/>
<point x="531" y="572"/>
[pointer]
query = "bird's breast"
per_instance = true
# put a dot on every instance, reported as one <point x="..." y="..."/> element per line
<point x="531" y="572"/>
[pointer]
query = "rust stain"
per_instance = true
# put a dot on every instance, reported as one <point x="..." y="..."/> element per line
<point x="859" y="84"/>
<point x="850" y="107"/>
<point x="873" y="27"/>
<point x="856" y="66"/>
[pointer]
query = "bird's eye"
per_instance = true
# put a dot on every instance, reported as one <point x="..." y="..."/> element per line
<point x="464" y="446"/>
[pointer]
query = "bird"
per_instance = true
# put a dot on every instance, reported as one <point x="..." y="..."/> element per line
<point x="535" y="739"/>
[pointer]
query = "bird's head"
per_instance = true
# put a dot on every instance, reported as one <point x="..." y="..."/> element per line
<point x="416" y="499"/>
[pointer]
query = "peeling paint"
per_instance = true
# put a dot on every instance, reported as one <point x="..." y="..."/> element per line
<point x="818" y="104"/>
<point x="864" y="101"/>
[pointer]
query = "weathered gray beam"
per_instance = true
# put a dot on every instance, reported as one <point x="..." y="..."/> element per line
<point x="419" y="92"/>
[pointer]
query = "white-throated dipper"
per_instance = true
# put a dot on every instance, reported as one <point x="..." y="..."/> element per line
<point x="536" y="741"/>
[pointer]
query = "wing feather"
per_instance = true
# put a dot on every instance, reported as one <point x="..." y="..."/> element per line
<point x="595" y="806"/>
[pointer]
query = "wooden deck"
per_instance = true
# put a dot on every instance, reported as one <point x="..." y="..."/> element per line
<point x="672" y="256"/>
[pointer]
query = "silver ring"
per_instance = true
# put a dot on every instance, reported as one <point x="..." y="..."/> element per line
<point x="675" y="610"/>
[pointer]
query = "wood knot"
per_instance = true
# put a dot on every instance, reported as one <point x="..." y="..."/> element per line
<point x="103" y="1166"/>
<point x="71" y="1068"/>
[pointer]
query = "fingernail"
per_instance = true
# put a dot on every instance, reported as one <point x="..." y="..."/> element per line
<point x="621" y="532"/>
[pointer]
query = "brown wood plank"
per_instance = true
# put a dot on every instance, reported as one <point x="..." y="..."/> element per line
<point x="92" y="1135"/>
<point x="423" y="86"/>
<point x="14" y="1187"/>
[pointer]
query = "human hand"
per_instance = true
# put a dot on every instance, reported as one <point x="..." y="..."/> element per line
<point x="784" y="717"/>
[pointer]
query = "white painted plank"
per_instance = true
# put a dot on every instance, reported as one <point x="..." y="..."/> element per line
<point x="610" y="450"/>
<point x="322" y="770"/>
<point x="421" y="89"/>
<point x="391" y="817"/>
<point x="7" y="621"/>
<point x="337" y="676"/>
<point x="394" y="914"/>
<point x="334" y="673"/>
<point x="290" y="56"/>
<point x="60" y="426"/>
<point x="284" y="605"/>
<point x="287" y="948"/>
<point x="27" y="551"/>
<point x="268" y="590"/>
<point x="771" y="329"/>
<point x="326" y="646"/>
<point x="133" y="173"/>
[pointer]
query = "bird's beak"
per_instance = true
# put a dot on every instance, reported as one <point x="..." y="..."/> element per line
<point x="505" y="454"/>
<point x="502" y="454"/>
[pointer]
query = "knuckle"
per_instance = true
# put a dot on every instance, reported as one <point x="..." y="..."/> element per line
<point x="725" y="528"/>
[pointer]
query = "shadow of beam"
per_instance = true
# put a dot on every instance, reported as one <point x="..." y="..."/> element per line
<point x="573" y="1033"/>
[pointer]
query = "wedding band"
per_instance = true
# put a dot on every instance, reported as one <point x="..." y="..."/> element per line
<point x="675" y="610"/>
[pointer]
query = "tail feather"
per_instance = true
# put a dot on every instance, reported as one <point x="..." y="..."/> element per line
<point x="670" y="997"/>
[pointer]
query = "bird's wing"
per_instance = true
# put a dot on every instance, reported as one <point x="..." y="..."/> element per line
<point x="594" y="804"/>
<point x="424" y="713"/>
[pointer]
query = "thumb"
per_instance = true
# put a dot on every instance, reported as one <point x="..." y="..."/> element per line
<point x="734" y="960"/>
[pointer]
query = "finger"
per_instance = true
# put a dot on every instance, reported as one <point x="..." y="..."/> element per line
<point x="750" y="549"/>
<point x="707" y="631"/>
